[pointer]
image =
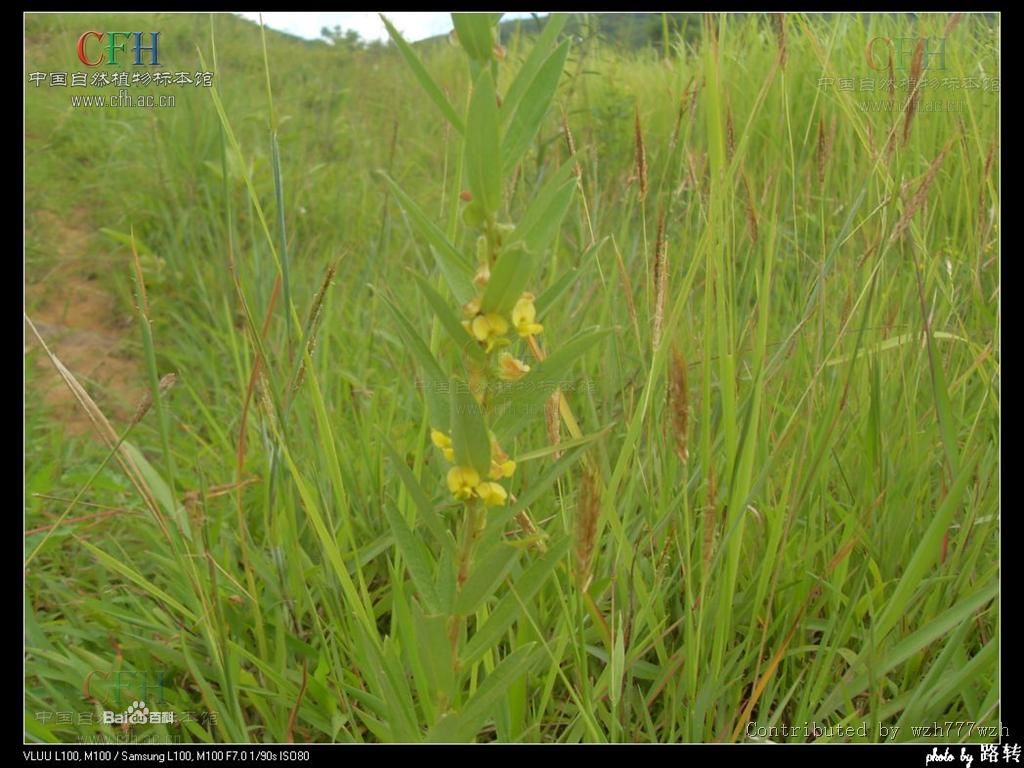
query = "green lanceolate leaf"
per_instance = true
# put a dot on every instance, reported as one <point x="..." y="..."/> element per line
<point x="489" y="569"/>
<point x="426" y="81"/>
<point x="483" y="146"/>
<point x="417" y="561"/>
<point x="466" y="343"/>
<point x="520" y="593"/>
<point x="563" y="445"/>
<point x="617" y="666"/>
<point x="463" y="726"/>
<point x="553" y="292"/>
<point x="524" y="124"/>
<point x="433" y="377"/>
<point x="139" y="580"/>
<point x="446" y="578"/>
<point x="435" y="652"/>
<point x="925" y="555"/>
<point x="857" y="681"/>
<point x="470" y="441"/>
<point x="455" y="269"/>
<point x="476" y="33"/>
<point x="525" y="76"/>
<point x="542" y="218"/>
<point x="420" y="499"/>
<point x="511" y="273"/>
<point x="396" y="693"/>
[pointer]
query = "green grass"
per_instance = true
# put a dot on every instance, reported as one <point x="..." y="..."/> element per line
<point x="828" y="551"/>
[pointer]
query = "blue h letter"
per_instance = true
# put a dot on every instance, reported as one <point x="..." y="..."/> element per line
<point x="152" y="48"/>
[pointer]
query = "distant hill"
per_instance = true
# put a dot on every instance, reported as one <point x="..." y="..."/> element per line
<point x="634" y="30"/>
<point x="628" y="30"/>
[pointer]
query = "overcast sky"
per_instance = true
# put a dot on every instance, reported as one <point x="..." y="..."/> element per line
<point x="414" y="25"/>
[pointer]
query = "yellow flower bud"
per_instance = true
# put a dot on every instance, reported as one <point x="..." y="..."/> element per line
<point x="440" y="439"/>
<point x="501" y="464"/>
<point x="483" y="275"/>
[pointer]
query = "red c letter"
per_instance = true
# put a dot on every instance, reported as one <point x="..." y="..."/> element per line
<point x="870" y="51"/>
<point x="81" y="49"/>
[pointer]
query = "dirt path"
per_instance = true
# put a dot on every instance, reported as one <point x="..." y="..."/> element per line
<point x="81" y="323"/>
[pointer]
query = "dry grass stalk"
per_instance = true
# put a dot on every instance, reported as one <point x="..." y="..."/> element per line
<point x="982" y="225"/>
<point x="916" y="66"/>
<point x="530" y="530"/>
<point x="779" y="22"/>
<point x="683" y="104"/>
<point x="822" y="150"/>
<point x="693" y="99"/>
<point x="641" y="157"/>
<point x="709" y="521"/>
<point x="588" y="508"/>
<point x="146" y="402"/>
<point x="660" y="280"/>
<point x="921" y="195"/>
<point x="313" y="324"/>
<point x="553" y="421"/>
<point x="679" y="404"/>
<point x="696" y="167"/>
<point x="570" y="143"/>
<point x="730" y="135"/>
<point x="105" y="431"/>
<point x="752" y="224"/>
<point x="194" y="497"/>
<point x="711" y="30"/>
<point x="890" y="146"/>
<point x="627" y="284"/>
<point x="954" y="20"/>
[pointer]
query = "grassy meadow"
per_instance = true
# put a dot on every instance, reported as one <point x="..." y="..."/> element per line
<point x="747" y="488"/>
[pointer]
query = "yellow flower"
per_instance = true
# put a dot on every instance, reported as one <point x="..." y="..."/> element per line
<point x="501" y="464"/>
<point x="511" y="369"/>
<point x="492" y="494"/>
<point x="471" y="308"/>
<point x="462" y="481"/>
<point x="442" y="441"/>
<point x="489" y="328"/>
<point x="524" y="316"/>
<point x="502" y="469"/>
